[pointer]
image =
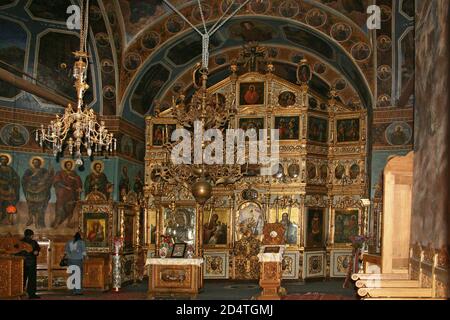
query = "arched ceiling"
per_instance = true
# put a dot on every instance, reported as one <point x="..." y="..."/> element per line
<point x="142" y="51"/>
<point x="155" y="49"/>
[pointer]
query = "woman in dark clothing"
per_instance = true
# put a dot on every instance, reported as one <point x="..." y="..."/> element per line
<point x="30" y="264"/>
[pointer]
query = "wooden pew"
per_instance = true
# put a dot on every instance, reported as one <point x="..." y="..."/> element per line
<point x="383" y="283"/>
<point x="368" y="293"/>
<point x="416" y="284"/>
<point x="381" y="276"/>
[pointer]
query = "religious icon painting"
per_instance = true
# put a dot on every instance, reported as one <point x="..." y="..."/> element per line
<point x="175" y="24"/>
<point x="180" y="224"/>
<point x="178" y="250"/>
<point x="96" y="230"/>
<point x="312" y="102"/>
<point x="289" y="218"/>
<point x="14" y="135"/>
<point x="361" y="51"/>
<point x="317" y="129"/>
<point x="348" y="130"/>
<point x="339" y="172"/>
<point x="320" y="68"/>
<point x="341" y="31"/>
<point x="252" y="93"/>
<point x="247" y="124"/>
<point x="203" y="13"/>
<point x="132" y="61"/>
<point x="286" y="99"/>
<point x="316" y="18"/>
<point x="354" y="171"/>
<point x="152" y="226"/>
<point x="107" y="66"/>
<point x="323" y="171"/>
<point x="289" y="9"/>
<point x="250" y="220"/>
<point x="259" y="7"/>
<point x="128" y="232"/>
<point x="345" y="225"/>
<point x="384" y="43"/>
<point x="289" y="127"/>
<point x="311" y="170"/>
<point x="215" y="227"/>
<point x="386" y="13"/>
<point x="162" y="134"/>
<point x="340" y="84"/>
<point x="304" y="73"/>
<point x="109" y="92"/>
<point x="315" y="228"/>
<point x="150" y="40"/>
<point x="384" y="72"/>
<point x="102" y="39"/>
<point x="398" y="133"/>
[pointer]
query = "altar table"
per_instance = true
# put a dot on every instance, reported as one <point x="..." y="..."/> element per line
<point x="174" y="276"/>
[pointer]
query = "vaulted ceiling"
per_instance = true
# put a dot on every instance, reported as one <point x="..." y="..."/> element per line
<point x="156" y="50"/>
<point x="142" y="51"/>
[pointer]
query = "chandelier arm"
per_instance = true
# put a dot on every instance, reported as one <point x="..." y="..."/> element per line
<point x="182" y="16"/>
<point x="203" y="17"/>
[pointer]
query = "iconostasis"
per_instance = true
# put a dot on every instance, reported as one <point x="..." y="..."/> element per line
<point x="316" y="192"/>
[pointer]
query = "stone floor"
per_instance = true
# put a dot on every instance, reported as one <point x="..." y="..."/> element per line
<point x="221" y="290"/>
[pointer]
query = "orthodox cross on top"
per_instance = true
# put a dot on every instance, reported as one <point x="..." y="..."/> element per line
<point x="252" y="55"/>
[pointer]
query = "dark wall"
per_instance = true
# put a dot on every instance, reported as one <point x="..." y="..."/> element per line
<point x="431" y="188"/>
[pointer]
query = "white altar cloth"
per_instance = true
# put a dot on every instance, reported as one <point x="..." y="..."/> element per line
<point x="270" y="256"/>
<point x="174" y="262"/>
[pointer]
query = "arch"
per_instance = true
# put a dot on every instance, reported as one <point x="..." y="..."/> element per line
<point x="334" y="54"/>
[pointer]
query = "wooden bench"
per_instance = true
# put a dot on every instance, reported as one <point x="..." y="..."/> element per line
<point x="426" y="279"/>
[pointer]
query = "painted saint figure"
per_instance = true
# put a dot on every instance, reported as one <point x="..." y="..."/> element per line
<point x="16" y="137"/>
<point x="251" y="96"/>
<point x="124" y="183"/>
<point x="68" y="187"/>
<point x="215" y="232"/>
<point x="97" y="180"/>
<point x="290" y="229"/>
<point x="36" y="183"/>
<point x="9" y="186"/>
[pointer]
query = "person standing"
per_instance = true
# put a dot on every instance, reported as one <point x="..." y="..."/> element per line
<point x="75" y="251"/>
<point x="30" y="264"/>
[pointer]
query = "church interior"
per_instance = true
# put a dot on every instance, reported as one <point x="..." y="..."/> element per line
<point x="224" y="149"/>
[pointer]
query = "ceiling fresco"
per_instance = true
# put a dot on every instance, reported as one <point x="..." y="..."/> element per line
<point x="133" y="38"/>
<point x="143" y="14"/>
<point x="279" y="34"/>
<point x="154" y="34"/>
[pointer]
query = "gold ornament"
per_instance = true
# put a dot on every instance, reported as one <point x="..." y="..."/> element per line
<point x="202" y="191"/>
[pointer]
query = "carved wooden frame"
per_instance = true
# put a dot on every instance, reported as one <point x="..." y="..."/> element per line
<point x="98" y="206"/>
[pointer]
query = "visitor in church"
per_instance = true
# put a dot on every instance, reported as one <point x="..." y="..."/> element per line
<point x="30" y="264"/>
<point x="75" y="251"/>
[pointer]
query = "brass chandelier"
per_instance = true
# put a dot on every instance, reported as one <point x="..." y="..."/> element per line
<point x="81" y="123"/>
<point x="213" y="111"/>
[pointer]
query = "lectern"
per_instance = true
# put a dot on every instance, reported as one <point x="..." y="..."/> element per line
<point x="271" y="258"/>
